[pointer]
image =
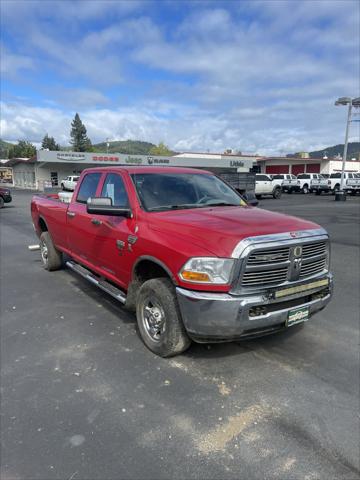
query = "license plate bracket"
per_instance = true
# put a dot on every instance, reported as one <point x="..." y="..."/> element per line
<point x="297" y="315"/>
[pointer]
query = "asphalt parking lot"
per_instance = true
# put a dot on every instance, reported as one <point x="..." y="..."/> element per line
<point x="82" y="398"/>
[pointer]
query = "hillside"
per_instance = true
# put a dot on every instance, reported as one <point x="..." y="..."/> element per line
<point x="353" y="151"/>
<point x="130" y="147"/>
<point x="4" y="148"/>
<point x="334" y="151"/>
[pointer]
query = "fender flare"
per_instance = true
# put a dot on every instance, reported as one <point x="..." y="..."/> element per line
<point x="158" y="262"/>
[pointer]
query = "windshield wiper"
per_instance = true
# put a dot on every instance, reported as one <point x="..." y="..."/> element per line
<point x="172" y="207"/>
<point x="220" y="204"/>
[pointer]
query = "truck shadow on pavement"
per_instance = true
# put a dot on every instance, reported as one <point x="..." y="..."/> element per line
<point x="238" y="347"/>
<point x="119" y="314"/>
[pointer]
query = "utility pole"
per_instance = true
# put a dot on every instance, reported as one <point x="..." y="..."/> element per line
<point x="345" y="147"/>
<point x="350" y="102"/>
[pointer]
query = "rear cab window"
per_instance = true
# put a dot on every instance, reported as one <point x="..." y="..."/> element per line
<point x="88" y="187"/>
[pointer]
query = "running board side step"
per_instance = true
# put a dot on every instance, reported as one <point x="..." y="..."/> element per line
<point x="92" y="278"/>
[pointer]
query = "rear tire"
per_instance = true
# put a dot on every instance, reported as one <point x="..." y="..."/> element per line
<point x="50" y="256"/>
<point x="159" y="319"/>
<point x="277" y="193"/>
<point x="1" y="202"/>
<point x="318" y="192"/>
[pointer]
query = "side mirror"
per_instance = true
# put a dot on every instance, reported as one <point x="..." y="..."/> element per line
<point x="104" y="206"/>
<point x="251" y="199"/>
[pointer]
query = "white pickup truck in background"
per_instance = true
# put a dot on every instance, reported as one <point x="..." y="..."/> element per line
<point x="351" y="182"/>
<point x="69" y="183"/>
<point x="313" y="182"/>
<point x="265" y="185"/>
<point x="289" y="182"/>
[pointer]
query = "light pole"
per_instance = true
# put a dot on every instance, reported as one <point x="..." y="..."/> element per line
<point x="351" y="102"/>
<point x="107" y="145"/>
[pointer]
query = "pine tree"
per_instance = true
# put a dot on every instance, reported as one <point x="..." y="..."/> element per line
<point x="49" y="143"/>
<point x="79" y="140"/>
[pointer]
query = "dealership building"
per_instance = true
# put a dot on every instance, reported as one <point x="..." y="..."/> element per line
<point x="305" y="164"/>
<point x="48" y="168"/>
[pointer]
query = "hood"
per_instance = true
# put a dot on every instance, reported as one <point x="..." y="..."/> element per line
<point x="219" y="229"/>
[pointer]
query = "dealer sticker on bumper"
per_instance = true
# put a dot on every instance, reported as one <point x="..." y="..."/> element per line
<point x="297" y="315"/>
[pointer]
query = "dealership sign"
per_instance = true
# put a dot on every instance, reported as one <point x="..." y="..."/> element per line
<point x="90" y="158"/>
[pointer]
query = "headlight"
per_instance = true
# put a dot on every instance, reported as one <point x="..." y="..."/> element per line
<point x="215" y="271"/>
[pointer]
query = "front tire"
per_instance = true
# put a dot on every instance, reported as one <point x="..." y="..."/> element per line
<point x="1" y="202"/>
<point x="51" y="257"/>
<point x="305" y="189"/>
<point x="159" y="319"/>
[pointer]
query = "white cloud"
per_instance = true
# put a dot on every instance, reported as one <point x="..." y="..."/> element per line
<point x="12" y="64"/>
<point x="259" y="76"/>
<point x="194" y="130"/>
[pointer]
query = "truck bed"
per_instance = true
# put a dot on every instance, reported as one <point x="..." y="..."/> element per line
<point x="50" y="206"/>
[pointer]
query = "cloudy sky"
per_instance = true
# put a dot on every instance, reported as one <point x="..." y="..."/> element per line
<point x="258" y="76"/>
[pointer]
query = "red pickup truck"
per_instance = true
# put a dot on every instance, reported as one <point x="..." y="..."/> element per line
<point x="183" y="249"/>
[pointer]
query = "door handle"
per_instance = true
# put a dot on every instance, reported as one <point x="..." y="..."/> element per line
<point x="95" y="221"/>
<point x="71" y="214"/>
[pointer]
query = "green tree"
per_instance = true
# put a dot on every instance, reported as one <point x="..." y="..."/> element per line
<point x="23" y="149"/>
<point x="160" y="149"/>
<point x="49" y="143"/>
<point x="79" y="139"/>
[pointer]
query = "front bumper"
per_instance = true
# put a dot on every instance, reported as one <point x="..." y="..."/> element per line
<point x="223" y="317"/>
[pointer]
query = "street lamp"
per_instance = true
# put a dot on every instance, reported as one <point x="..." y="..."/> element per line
<point x="351" y="102"/>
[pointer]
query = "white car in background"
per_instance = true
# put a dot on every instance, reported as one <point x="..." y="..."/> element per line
<point x="265" y="185"/>
<point x="289" y="182"/>
<point x="351" y="182"/>
<point x="69" y="183"/>
<point x="312" y="182"/>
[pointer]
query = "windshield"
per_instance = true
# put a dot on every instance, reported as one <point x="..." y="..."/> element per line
<point x="171" y="191"/>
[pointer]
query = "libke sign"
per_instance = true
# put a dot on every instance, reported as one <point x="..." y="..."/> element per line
<point x="88" y="159"/>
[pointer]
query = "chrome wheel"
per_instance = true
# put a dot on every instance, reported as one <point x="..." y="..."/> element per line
<point x="153" y="319"/>
<point x="44" y="252"/>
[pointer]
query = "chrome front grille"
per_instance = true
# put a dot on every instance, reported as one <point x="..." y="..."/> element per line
<point x="290" y="263"/>
<point x="264" y="277"/>
<point x="312" y="268"/>
<point x="274" y="255"/>
<point x="313" y="249"/>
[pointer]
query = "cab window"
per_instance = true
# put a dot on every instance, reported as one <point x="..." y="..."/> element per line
<point x="88" y="187"/>
<point x="114" y="188"/>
